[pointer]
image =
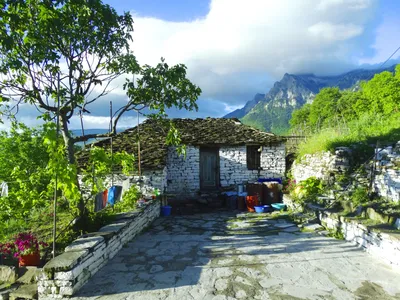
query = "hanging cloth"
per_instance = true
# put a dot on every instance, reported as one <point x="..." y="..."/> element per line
<point x="105" y="195"/>
<point x="98" y="202"/>
<point x="3" y="189"/>
<point x="111" y="196"/>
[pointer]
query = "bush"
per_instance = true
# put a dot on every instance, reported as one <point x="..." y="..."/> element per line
<point x="359" y="196"/>
<point x="129" y="200"/>
<point x="307" y="190"/>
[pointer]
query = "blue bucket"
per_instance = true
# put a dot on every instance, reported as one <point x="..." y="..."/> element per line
<point x="267" y="208"/>
<point x="259" y="209"/>
<point x="166" y="210"/>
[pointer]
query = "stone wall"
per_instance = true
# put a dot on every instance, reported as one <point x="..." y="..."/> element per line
<point x="387" y="184"/>
<point x="387" y="175"/>
<point x="183" y="174"/>
<point x="64" y="275"/>
<point x="233" y="164"/>
<point x="321" y="165"/>
<point x="382" y="245"/>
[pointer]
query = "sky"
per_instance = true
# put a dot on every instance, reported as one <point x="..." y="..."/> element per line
<point x="236" y="48"/>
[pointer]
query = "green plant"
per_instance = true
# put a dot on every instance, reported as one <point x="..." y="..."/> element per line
<point x="307" y="190"/>
<point x="359" y="196"/>
<point x="129" y="200"/>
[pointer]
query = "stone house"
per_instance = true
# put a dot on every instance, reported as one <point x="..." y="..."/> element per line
<point x="220" y="153"/>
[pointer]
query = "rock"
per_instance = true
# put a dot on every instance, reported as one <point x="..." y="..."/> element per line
<point x="240" y="294"/>
<point x="8" y="274"/>
<point x="221" y="284"/>
<point x="313" y="227"/>
<point x="29" y="275"/>
<point x="84" y="243"/>
<point x="397" y="224"/>
<point x="26" y="291"/>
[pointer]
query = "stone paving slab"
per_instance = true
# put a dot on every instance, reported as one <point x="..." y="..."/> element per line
<point x="221" y="256"/>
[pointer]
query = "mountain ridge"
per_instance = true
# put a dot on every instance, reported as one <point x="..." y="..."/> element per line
<point x="273" y="111"/>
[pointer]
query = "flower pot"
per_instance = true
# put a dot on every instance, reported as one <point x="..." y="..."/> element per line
<point x="166" y="210"/>
<point x="32" y="259"/>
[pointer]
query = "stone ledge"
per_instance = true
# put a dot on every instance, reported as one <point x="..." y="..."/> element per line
<point x="67" y="273"/>
<point x="383" y="245"/>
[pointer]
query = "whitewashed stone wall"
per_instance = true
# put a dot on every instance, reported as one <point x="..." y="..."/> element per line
<point x="183" y="174"/>
<point x="383" y="246"/>
<point x="320" y="165"/>
<point x="387" y="175"/>
<point x="387" y="184"/>
<point x="64" y="275"/>
<point x="233" y="164"/>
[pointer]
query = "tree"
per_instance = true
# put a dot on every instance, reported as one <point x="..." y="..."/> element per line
<point x="324" y="106"/>
<point x="23" y="162"/>
<point x="300" y="117"/>
<point x="73" y="51"/>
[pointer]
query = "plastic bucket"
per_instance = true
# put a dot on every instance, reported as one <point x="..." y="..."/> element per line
<point x="251" y="201"/>
<point x="166" y="210"/>
<point x="267" y="208"/>
<point x="278" y="206"/>
<point x="259" y="209"/>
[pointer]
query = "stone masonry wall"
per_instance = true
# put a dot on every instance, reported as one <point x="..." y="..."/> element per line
<point x="381" y="245"/>
<point x="387" y="175"/>
<point x="183" y="175"/>
<point x="320" y="165"/>
<point x="64" y="275"/>
<point x="233" y="164"/>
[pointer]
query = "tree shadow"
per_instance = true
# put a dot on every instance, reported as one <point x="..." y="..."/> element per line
<point x="180" y="251"/>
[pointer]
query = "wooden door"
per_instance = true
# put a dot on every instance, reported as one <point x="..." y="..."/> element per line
<point x="209" y="168"/>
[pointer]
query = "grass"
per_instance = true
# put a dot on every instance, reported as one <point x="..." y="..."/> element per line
<point x="363" y="133"/>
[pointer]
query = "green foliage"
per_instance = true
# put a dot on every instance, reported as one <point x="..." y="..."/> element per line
<point x="352" y="118"/>
<point x="307" y="190"/>
<point x="23" y="163"/>
<point x="129" y="200"/>
<point x="359" y="196"/>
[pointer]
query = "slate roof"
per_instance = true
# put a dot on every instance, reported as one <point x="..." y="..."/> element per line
<point x="196" y="132"/>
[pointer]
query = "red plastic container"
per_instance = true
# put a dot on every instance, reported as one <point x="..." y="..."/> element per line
<point x="251" y="201"/>
<point x="30" y="260"/>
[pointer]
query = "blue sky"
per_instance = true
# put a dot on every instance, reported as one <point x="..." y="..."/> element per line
<point x="236" y="48"/>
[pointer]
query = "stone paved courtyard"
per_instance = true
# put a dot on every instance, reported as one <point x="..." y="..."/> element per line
<point x="229" y="256"/>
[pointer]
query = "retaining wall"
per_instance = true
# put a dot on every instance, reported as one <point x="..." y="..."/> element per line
<point x="64" y="275"/>
<point x="381" y="245"/>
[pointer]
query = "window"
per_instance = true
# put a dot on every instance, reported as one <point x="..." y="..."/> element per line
<point x="253" y="157"/>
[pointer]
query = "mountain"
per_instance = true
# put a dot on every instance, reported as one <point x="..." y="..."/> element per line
<point x="273" y="111"/>
<point x="240" y="113"/>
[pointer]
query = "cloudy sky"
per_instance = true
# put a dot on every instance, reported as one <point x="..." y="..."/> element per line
<point x="236" y="48"/>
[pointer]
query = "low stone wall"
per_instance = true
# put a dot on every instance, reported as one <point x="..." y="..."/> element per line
<point x="321" y="165"/>
<point x="387" y="183"/>
<point x="381" y="245"/>
<point x="64" y="275"/>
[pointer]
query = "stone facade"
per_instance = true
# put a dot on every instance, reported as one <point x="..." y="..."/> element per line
<point x="64" y="275"/>
<point x="387" y="184"/>
<point x="382" y="245"/>
<point x="183" y="174"/>
<point x="321" y="165"/>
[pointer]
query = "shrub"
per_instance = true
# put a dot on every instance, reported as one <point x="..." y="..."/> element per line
<point x="129" y="200"/>
<point x="359" y="196"/>
<point x="307" y="189"/>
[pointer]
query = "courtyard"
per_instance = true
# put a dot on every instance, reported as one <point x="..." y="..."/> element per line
<point x="240" y="256"/>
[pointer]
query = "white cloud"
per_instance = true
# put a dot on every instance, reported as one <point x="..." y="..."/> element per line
<point x="267" y="37"/>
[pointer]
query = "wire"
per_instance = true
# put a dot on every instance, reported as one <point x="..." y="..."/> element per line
<point x="389" y="57"/>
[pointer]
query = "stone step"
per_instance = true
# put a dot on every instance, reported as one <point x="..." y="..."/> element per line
<point x="28" y="275"/>
<point x="25" y="291"/>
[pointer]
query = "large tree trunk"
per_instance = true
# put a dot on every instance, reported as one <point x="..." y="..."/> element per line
<point x="70" y="152"/>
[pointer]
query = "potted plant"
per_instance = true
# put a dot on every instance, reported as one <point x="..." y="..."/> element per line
<point x="7" y="251"/>
<point x="27" y="249"/>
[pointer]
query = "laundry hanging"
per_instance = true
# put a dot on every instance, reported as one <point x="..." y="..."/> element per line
<point x="114" y="194"/>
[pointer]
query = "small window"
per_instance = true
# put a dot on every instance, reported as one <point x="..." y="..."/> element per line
<point x="253" y="157"/>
